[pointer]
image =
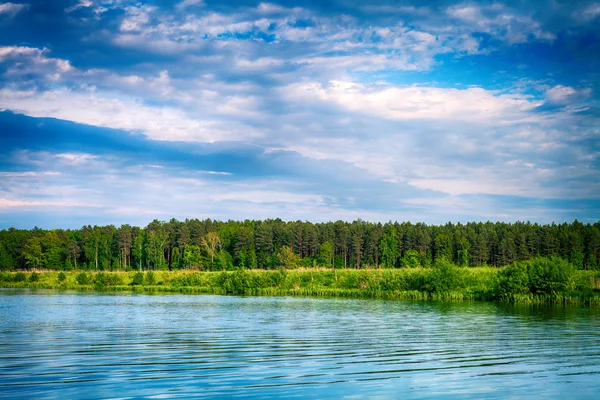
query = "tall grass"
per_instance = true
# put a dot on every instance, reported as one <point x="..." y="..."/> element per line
<point x="442" y="282"/>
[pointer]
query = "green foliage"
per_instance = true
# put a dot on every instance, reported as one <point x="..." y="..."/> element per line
<point x="287" y="258"/>
<point x="391" y="280"/>
<point x="576" y="259"/>
<point x="83" y="279"/>
<point x="411" y="259"/>
<point x="61" y="277"/>
<point x="187" y="279"/>
<point x="238" y="282"/>
<point x="443" y="281"/>
<point x="215" y="245"/>
<point x="306" y="262"/>
<point x="32" y="253"/>
<point x="388" y="248"/>
<point x="104" y="279"/>
<point x="549" y="275"/>
<point x="223" y="261"/>
<point x="137" y="279"/>
<point x="20" y="277"/>
<point x="540" y="276"/>
<point x="192" y="256"/>
<point x="463" y="257"/>
<point x="513" y="280"/>
<point x="34" y="277"/>
<point x="444" y="277"/>
<point x="326" y="253"/>
<point x="149" y="278"/>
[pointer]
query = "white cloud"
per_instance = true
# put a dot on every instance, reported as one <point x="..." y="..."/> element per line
<point x="410" y="137"/>
<point x="588" y="13"/>
<point x="29" y="174"/>
<point x="499" y="21"/>
<point x="268" y="196"/>
<point x="159" y="123"/>
<point x="564" y="94"/>
<point x="27" y="61"/>
<point x="189" y="3"/>
<point x="137" y="18"/>
<point x="395" y="47"/>
<point x="8" y="203"/>
<point x="416" y="102"/>
<point x="12" y="9"/>
<point x="270" y="8"/>
<point x="76" y="158"/>
<point x="80" y="4"/>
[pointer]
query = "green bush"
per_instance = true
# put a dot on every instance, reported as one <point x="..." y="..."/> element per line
<point x="549" y="275"/>
<point x="275" y="278"/>
<point x="20" y="277"/>
<point x="392" y="280"/>
<point x="138" y="279"/>
<point x="83" y="279"/>
<point x="260" y="280"/>
<point x="104" y="279"/>
<point x="61" y="277"/>
<point x="34" y="277"/>
<point x="443" y="277"/>
<point x="241" y="281"/>
<point x="150" y="279"/>
<point x="189" y="280"/>
<point x="512" y="280"/>
<point x="539" y="276"/>
<point x="238" y="282"/>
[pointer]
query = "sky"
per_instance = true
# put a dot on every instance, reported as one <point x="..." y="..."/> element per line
<point x="115" y="111"/>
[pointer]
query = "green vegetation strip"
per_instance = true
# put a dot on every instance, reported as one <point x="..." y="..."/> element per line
<point x="541" y="280"/>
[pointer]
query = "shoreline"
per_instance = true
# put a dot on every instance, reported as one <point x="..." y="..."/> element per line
<point x="478" y="284"/>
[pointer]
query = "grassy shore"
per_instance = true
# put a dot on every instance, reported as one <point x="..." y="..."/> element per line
<point x="482" y="283"/>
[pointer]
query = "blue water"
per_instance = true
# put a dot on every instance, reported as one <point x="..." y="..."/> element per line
<point x="87" y="345"/>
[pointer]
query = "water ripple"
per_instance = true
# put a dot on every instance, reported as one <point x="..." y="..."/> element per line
<point x="73" y="345"/>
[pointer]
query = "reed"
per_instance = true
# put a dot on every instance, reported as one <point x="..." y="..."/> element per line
<point x="445" y="283"/>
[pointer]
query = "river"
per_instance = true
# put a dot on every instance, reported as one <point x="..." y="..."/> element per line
<point x="106" y="345"/>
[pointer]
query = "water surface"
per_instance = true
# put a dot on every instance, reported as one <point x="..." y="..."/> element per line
<point x="90" y="345"/>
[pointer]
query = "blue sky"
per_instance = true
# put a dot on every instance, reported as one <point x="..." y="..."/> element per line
<point x="125" y="111"/>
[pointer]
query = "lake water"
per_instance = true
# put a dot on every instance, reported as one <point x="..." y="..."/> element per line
<point x="89" y="345"/>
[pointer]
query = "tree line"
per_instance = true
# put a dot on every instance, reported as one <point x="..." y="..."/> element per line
<point x="273" y="243"/>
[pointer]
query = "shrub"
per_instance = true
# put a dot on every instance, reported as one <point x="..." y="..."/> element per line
<point x="513" y="279"/>
<point x="276" y="278"/>
<point x="103" y="279"/>
<point x="83" y="278"/>
<point x="189" y="280"/>
<point x="443" y="277"/>
<point x="150" y="279"/>
<point x="34" y="277"/>
<point x="392" y="280"/>
<point x="238" y="282"/>
<point x="20" y="277"/>
<point x="61" y="277"/>
<point x="138" y="279"/>
<point x="549" y="275"/>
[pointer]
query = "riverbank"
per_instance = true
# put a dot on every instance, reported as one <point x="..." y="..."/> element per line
<point x="484" y="283"/>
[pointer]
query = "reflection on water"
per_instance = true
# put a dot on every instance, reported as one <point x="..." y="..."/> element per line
<point x="82" y="345"/>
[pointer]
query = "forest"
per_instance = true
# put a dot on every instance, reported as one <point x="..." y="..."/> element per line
<point x="208" y="245"/>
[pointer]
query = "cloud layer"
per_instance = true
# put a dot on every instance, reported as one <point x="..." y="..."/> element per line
<point x="118" y="111"/>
